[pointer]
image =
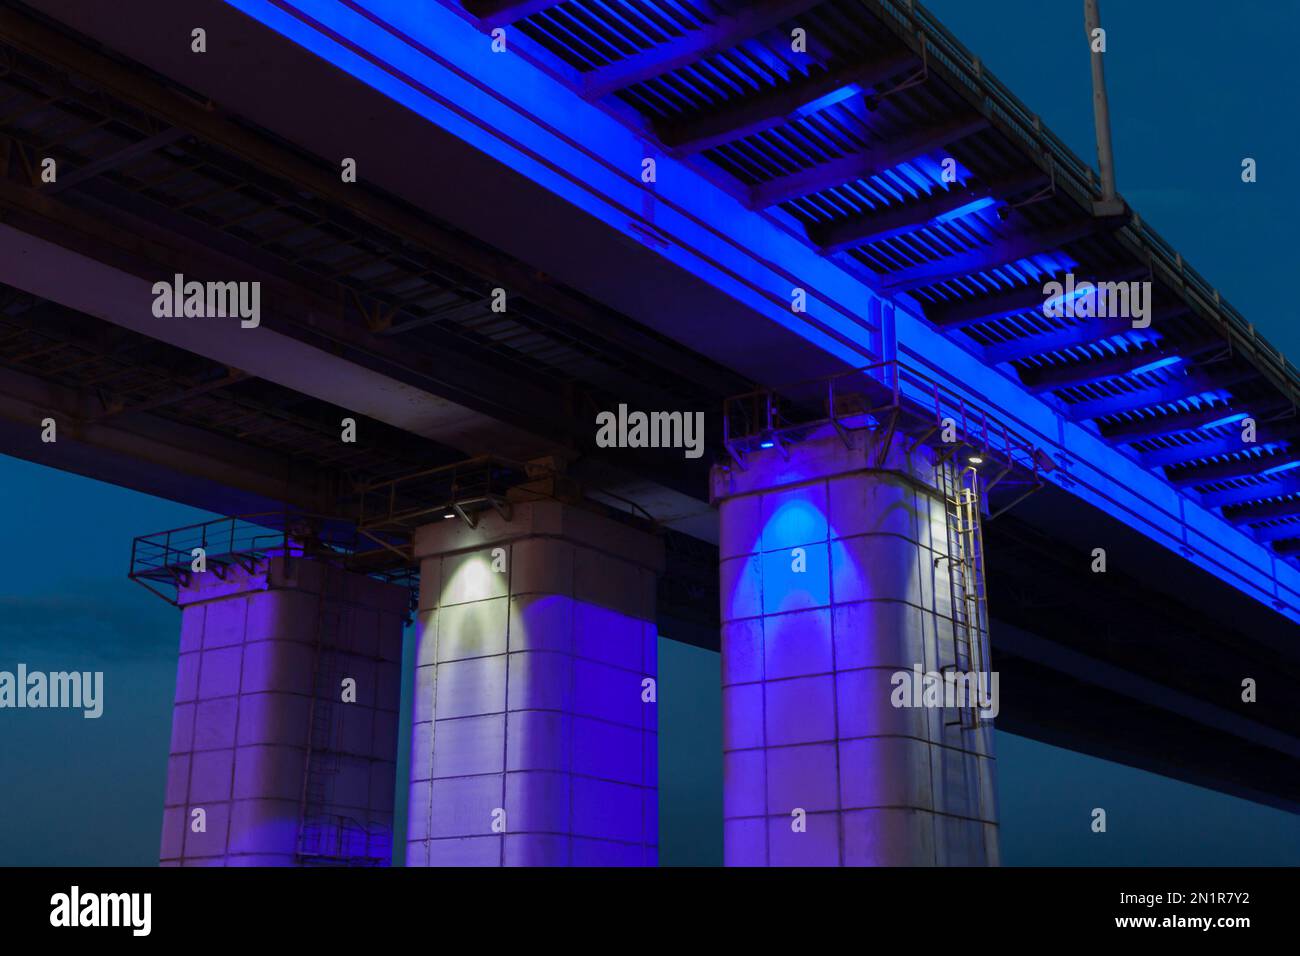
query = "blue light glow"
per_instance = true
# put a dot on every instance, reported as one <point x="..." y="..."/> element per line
<point x="928" y="172"/>
<point x="1229" y="420"/>
<point x="830" y="99"/>
<point x="1127" y="340"/>
<point x="1158" y="363"/>
<point x="1035" y="268"/>
<point x="1278" y="469"/>
<point x="1077" y="293"/>
<point x="966" y="210"/>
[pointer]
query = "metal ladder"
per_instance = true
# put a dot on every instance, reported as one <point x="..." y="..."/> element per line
<point x="323" y="760"/>
<point x="968" y="601"/>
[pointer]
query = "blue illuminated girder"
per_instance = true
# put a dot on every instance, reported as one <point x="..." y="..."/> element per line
<point x="1184" y="386"/>
<point x="1085" y="332"/>
<point x="1001" y="252"/>
<point x="1203" y="416"/>
<point x="1134" y="361"/>
<point x="723" y="34"/>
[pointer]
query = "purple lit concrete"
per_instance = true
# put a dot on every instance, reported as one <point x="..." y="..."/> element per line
<point x="532" y="744"/>
<point x="807" y="660"/>
<point x="244" y="719"/>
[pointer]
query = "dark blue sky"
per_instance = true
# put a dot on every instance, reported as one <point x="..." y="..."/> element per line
<point x="1195" y="87"/>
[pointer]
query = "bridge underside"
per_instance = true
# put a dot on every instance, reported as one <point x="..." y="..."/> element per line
<point x="382" y="311"/>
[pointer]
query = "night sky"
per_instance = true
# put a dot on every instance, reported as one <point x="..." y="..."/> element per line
<point x="1194" y="88"/>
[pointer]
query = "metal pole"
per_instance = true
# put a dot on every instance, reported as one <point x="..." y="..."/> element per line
<point x="1101" y="111"/>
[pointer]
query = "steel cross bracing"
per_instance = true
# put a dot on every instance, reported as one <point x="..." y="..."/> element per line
<point x="112" y="378"/>
<point x="845" y="141"/>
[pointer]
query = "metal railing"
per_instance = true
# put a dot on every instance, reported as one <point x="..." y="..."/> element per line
<point x="466" y="488"/>
<point x="164" y="561"/>
<point x="378" y="542"/>
<point x="887" y="397"/>
<point x="460" y="489"/>
<point x="862" y="397"/>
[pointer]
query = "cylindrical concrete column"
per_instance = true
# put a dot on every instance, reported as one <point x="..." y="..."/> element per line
<point x="534" y="742"/>
<point x="284" y="733"/>
<point x="835" y="593"/>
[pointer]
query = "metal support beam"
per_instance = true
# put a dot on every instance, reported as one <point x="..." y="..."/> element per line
<point x="498" y="13"/>
<point x="157" y="456"/>
<point x="1048" y="377"/>
<point x="1155" y="425"/>
<point x="864" y="165"/>
<point x="451" y="314"/>
<point x="964" y="312"/>
<point x="235" y="376"/>
<point x="1263" y="510"/>
<point x="775" y="107"/>
<point x="319" y="178"/>
<point x="1282" y="532"/>
<point x="1194" y="382"/>
<point x="860" y="230"/>
<point x="1246" y="466"/>
<point x="1001" y="252"/>
<point x="1109" y="204"/>
<point x="303" y="315"/>
<point x="1286" y="483"/>
<point x="1214" y="445"/>
<point x="1086" y="332"/>
<point x="723" y="34"/>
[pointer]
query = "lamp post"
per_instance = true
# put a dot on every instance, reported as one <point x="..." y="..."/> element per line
<point x="1110" y="203"/>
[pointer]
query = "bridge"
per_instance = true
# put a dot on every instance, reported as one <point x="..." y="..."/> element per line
<point x="476" y="227"/>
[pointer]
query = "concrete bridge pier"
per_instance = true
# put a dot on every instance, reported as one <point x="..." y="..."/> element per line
<point x="835" y="574"/>
<point x="535" y="732"/>
<point x="275" y="760"/>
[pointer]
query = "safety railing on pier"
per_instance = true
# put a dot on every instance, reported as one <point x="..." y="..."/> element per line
<point x="166" y="561"/>
<point x="889" y="398"/>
